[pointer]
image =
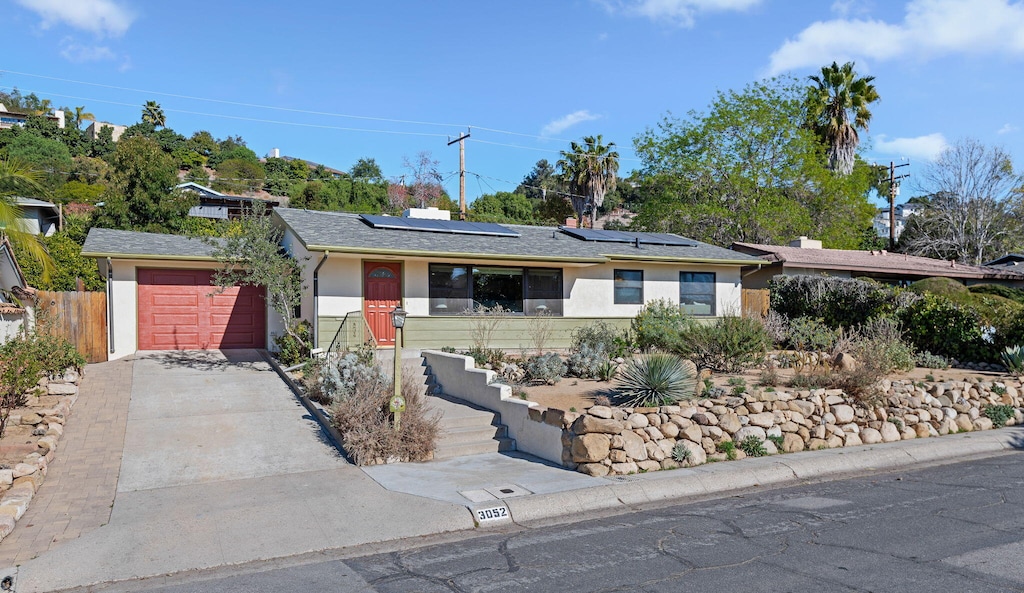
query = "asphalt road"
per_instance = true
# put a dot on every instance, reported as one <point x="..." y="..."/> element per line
<point x="957" y="528"/>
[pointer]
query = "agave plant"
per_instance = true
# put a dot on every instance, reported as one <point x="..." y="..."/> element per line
<point x="656" y="379"/>
<point x="1013" y="359"/>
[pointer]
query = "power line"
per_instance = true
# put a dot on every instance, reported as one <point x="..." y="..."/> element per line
<point x="559" y="152"/>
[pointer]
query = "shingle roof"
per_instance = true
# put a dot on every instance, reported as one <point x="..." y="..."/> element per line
<point x="114" y="243"/>
<point x="869" y="261"/>
<point x="334" y="231"/>
<point x="1013" y="261"/>
<point x="34" y="203"/>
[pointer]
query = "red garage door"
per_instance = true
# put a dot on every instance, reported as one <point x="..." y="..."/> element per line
<point x="180" y="310"/>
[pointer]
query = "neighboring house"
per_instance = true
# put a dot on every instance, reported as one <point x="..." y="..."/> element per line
<point x="360" y="267"/>
<point x="9" y="119"/>
<point x="805" y="256"/>
<point x="275" y="153"/>
<point x="214" y="204"/>
<point x="94" y="129"/>
<point x="15" y="294"/>
<point x="38" y="217"/>
<point x="1010" y="261"/>
<point x="903" y="213"/>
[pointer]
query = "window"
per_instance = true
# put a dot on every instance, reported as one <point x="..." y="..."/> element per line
<point x="629" y="287"/>
<point x="454" y="289"/>
<point x="697" y="293"/>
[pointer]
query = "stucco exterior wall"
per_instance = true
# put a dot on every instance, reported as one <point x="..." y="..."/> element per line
<point x="10" y="325"/>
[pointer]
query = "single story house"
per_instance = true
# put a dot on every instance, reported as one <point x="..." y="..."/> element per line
<point x="805" y="256"/>
<point x="1010" y="261"/>
<point x="358" y="268"/>
<point x="38" y="217"/>
<point x="214" y="204"/>
<point x="15" y="294"/>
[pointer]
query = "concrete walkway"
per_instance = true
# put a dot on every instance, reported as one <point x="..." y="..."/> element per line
<point x="82" y="479"/>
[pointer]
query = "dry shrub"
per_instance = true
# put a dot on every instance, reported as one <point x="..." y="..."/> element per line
<point x="367" y="426"/>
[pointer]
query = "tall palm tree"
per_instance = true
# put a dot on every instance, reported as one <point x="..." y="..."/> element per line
<point x="590" y="172"/>
<point x="837" y="105"/>
<point x="152" y="113"/>
<point x="82" y="115"/>
<point x="17" y="178"/>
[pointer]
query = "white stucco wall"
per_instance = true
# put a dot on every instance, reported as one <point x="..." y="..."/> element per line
<point x="10" y="325"/>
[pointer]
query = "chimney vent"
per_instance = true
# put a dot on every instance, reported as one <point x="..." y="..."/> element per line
<point x="570" y="223"/>
<point x="803" y="242"/>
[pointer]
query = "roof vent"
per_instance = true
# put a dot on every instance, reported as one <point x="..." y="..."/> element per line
<point x="803" y="242"/>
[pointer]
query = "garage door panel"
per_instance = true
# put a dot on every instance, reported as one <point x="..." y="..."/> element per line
<point x="181" y="310"/>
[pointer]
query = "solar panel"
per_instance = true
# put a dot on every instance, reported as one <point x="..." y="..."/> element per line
<point x="430" y="225"/>
<point x="628" y="237"/>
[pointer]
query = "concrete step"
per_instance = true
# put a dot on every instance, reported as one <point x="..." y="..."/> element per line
<point x="476" y="448"/>
<point x="453" y="436"/>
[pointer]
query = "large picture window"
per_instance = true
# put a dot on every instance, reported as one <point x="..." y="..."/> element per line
<point x="455" y="289"/>
<point x="629" y="287"/>
<point x="697" y="293"/>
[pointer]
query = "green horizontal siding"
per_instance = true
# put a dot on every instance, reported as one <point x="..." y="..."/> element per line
<point x="353" y="334"/>
<point x="510" y="333"/>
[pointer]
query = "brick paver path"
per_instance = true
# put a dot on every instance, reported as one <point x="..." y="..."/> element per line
<point x="81" y="480"/>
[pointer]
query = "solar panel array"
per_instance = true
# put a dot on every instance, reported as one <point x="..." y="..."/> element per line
<point x="429" y="225"/>
<point x="627" y="237"/>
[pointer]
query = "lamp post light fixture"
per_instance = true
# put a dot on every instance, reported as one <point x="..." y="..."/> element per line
<point x="397" y="404"/>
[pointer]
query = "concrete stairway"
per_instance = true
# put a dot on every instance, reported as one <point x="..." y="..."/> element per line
<point x="465" y="429"/>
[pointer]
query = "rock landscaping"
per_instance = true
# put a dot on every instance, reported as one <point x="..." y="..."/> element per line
<point x="30" y="443"/>
<point x="607" y="440"/>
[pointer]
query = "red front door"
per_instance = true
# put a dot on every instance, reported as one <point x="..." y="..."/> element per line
<point x="382" y="292"/>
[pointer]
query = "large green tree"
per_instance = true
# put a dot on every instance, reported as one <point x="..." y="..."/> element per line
<point x="501" y="207"/>
<point x="590" y="171"/>
<point x="837" y="105"/>
<point x="141" y="194"/>
<point x="748" y="169"/>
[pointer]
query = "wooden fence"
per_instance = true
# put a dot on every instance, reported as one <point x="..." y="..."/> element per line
<point x="81" y="317"/>
<point x="756" y="302"/>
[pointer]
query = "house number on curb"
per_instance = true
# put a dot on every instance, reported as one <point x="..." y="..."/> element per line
<point x="492" y="514"/>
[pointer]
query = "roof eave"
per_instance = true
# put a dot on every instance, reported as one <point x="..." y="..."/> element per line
<point x="451" y="254"/>
<point x="687" y="260"/>
<point x="147" y="256"/>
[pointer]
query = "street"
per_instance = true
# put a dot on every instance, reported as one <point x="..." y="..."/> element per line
<point x="955" y="527"/>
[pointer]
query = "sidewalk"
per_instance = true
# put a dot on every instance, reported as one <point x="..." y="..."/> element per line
<point x="80" y="484"/>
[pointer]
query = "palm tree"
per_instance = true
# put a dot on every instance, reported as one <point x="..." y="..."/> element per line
<point x="82" y="115"/>
<point x="18" y="178"/>
<point x="590" y="172"/>
<point x="152" y="113"/>
<point x="837" y="105"/>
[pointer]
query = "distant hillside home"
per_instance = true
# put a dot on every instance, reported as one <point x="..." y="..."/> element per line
<point x="805" y="256"/>
<point x="275" y="153"/>
<point x="15" y="294"/>
<point x="903" y="213"/>
<point x="9" y="119"/>
<point x="38" y="217"/>
<point x="94" y="129"/>
<point x="213" y="204"/>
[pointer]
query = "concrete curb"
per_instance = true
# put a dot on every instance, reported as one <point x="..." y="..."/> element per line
<point x="679" y="486"/>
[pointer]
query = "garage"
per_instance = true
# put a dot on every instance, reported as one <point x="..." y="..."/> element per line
<point x="180" y="310"/>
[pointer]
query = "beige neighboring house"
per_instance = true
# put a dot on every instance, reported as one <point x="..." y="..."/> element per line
<point x="94" y="129"/>
<point x="803" y="257"/>
<point x="16" y="297"/>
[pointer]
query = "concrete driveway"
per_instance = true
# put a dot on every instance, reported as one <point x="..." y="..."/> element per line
<point x="222" y="465"/>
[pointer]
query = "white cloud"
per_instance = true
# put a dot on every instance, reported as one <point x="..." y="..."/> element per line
<point x="929" y="28"/>
<point x="102" y="17"/>
<point x="565" y="122"/>
<point x="1006" y="129"/>
<point x="925" y="148"/>
<point x="76" y="52"/>
<point x="676" y="12"/>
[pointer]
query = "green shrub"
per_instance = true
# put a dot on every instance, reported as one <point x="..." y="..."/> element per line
<point x="946" y="287"/>
<point x="884" y="336"/>
<point x="22" y="363"/>
<point x="938" y="325"/>
<point x="998" y="414"/>
<point x="548" y="368"/>
<point x="836" y="301"/>
<point x="1013" y="359"/>
<point x="811" y="334"/>
<point x="655" y="379"/>
<point x="335" y="378"/>
<point x="753" y="446"/>
<point x="607" y="370"/>
<point x="586" y="360"/>
<point x="599" y="335"/>
<point x="484" y="356"/>
<point x="738" y="385"/>
<point x="658" y="326"/>
<point x="727" y="447"/>
<point x="1014" y="294"/>
<point x="726" y="345"/>
<point x="777" y="440"/>
<point x="931" y="361"/>
<point x="291" y="350"/>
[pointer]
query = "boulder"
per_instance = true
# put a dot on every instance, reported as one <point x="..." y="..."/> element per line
<point x="692" y="432"/>
<point x="890" y="434"/>
<point x="844" y="362"/>
<point x="624" y="468"/>
<point x="764" y="419"/>
<point x="669" y="429"/>
<point x="633" y="445"/>
<point x="983" y="423"/>
<point x="31" y="419"/>
<point x="792" y="443"/>
<point x="871" y="436"/>
<point x="637" y="421"/>
<point x="922" y="430"/>
<point x="844" y="414"/>
<point x="61" y="389"/>
<point x="729" y="422"/>
<point x="600" y="412"/>
<point x="747" y="431"/>
<point x="590" y="448"/>
<point x="697" y="455"/>
<point x="587" y="424"/>
<point x="594" y="469"/>
<point x="648" y="465"/>
<point x="805" y="407"/>
<point x="852" y="440"/>
<point x="964" y="423"/>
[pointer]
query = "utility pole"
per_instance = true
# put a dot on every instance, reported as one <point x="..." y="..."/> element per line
<point x="462" y="171"/>
<point x="892" y="200"/>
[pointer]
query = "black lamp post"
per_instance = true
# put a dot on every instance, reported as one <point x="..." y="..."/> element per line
<point x="397" y="401"/>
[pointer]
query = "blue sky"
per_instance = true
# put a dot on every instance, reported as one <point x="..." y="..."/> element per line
<point x="335" y="81"/>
